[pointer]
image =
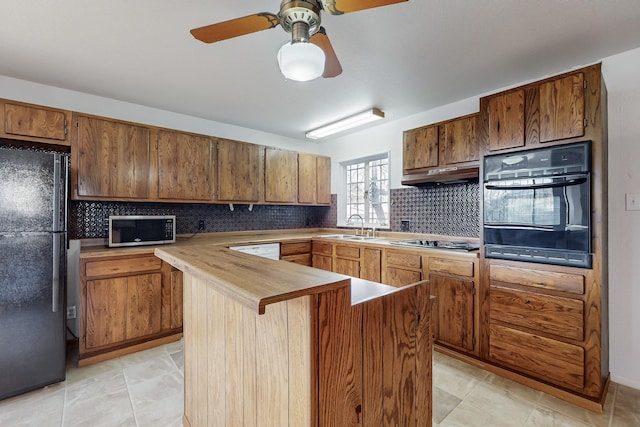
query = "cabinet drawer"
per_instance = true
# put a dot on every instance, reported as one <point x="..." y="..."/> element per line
<point x="450" y="266"/>
<point x="347" y="251"/>
<point x="295" y="248"/>
<point x="115" y="267"/>
<point x="550" y="360"/>
<point x="554" y="315"/>
<point x="322" y="248"/>
<point x="403" y="259"/>
<point x="567" y="282"/>
<point x="302" y="259"/>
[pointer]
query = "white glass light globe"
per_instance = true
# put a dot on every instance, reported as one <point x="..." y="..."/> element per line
<point x="301" y="61"/>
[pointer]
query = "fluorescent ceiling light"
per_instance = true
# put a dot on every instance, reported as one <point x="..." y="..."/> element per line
<point x="344" y="124"/>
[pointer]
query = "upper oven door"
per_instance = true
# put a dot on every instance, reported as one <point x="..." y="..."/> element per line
<point x="543" y="212"/>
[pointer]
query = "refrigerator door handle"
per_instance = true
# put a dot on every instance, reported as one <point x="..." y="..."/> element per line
<point x="55" y="287"/>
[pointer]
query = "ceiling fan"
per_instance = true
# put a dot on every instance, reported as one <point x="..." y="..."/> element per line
<point x="309" y="54"/>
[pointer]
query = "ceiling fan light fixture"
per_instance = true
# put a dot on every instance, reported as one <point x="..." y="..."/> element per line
<point x="347" y="123"/>
<point x="301" y="61"/>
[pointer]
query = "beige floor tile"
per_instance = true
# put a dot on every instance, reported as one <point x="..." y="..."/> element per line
<point x="443" y="404"/>
<point x="158" y="401"/>
<point x="158" y="365"/>
<point x="458" y="382"/>
<point x="42" y="408"/>
<point x="542" y="417"/>
<point x="515" y="390"/>
<point x="101" y="401"/>
<point x="590" y="418"/>
<point x="627" y="408"/>
<point x="467" y="415"/>
<point x="178" y="359"/>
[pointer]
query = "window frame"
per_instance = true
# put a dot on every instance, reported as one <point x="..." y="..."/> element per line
<point x="342" y="199"/>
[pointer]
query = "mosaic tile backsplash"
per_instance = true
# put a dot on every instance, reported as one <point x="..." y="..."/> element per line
<point x="451" y="210"/>
<point x="447" y="209"/>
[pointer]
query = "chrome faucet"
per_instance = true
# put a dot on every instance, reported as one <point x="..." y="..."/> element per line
<point x="361" y="223"/>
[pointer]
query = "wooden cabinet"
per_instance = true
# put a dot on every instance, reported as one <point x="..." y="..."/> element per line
<point x="111" y="159"/>
<point x="127" y="303"/>
<point x="420" y="149"/>
<point x="322" y="255"/>
<point x="538" y="322"/>
<point x="454" y="317"/>
<point x="314" y="179"/>
<point x="184" y="166"/>
<point x="347" y="260"/>
<point x="238" y="171"/>
<point x="27" y="122"/>
<point x="458" y="141"/>
<point x="549" y="111"/>
<point x="297" y="252"/>
<point x="441" y="151"/>
<point x="401" y="268"/>
<point x="281" y="176"/>
<point x="506" y="120"/>
<point x="371" y="264"/>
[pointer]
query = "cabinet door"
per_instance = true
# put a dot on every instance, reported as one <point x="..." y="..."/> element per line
<point x="144" y="313"/>
<point x="106" y="310"/>
<point x="371" y="265"/>
<point x="460" y="142"/>
<point x="176" y="299"/>
<point x="506" y="120"/>
<point x="348" y="267"/>
<point x="397" y="276"/>
<point x="562" y="108"/>
<point x="281" y="176"/>
<point x="454" y="324"/>
<point x="323" y="165"/>
<point x="322" y="262"/>
<point x="184" y="166"/>
<point x="238" y="171"/>
<point x="420" y="148"/>
<point x="35" y="122"/>
<point x="307" y="179"/>
<point x="113" y="159"/>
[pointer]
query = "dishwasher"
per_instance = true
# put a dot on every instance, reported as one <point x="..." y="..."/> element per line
<point x="265" y="250"/>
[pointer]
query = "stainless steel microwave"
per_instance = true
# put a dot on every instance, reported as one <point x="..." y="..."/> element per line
<point x="139" y="230"/>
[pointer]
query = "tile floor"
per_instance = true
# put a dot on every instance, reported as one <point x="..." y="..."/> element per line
<point x="145" y="390"/>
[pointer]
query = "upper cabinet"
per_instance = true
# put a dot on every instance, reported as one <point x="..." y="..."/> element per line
<point x="28" y="122"/>
<point x="238" y="171"/>
<point x="441" y="152"/>
<point x="281" y="176"/>
<point x="314" y="179"/>
<point x="110" y="159"/>
<point x="550" y="111"/>
<point x="184" y="166"/>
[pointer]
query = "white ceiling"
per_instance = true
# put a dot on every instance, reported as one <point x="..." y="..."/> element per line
<point x="403" y="58"/>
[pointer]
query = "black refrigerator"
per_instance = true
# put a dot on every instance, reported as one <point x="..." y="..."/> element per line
<point x="33" y="241"/>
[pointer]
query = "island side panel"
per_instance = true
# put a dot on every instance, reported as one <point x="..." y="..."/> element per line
<point x="242" y="368"/>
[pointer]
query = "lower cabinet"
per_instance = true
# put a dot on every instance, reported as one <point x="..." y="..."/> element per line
<point x="297" y="252"/>
<point x="126" y="301"/>
<point x="353" y="260"/>
<point x="540" y="326"/>
<point x="401" y="268"/>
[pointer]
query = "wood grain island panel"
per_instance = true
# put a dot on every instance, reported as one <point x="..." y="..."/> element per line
<point x="275" y="343"/>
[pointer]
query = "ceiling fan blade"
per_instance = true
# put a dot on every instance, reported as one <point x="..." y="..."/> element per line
<point x="235" y="27"/>
<point x="332" y="66"/>
<point x="338" y="7"/>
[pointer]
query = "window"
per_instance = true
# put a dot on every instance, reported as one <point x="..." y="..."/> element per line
<point x="367" y="190"/>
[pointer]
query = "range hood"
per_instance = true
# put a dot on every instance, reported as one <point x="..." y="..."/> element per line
<point x="449" y="175"/>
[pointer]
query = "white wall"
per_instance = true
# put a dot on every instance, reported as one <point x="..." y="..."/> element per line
<point x="25" y="91"/>
<point x="621" y="78"/>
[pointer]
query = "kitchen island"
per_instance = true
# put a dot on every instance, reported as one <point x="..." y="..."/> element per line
<point x="279" y="344"/>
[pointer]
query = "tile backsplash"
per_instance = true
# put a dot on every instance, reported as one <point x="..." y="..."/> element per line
<point x="451" y="209"/>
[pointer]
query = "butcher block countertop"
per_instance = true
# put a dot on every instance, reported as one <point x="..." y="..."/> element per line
<point x="256" y="282"/>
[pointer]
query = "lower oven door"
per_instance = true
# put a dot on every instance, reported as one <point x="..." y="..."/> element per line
<point x="545" y="219"/>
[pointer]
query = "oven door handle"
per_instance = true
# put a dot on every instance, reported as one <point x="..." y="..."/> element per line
<point x="564" y="183"/>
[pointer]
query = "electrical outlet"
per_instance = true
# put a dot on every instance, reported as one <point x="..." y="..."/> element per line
<point x="633" y="202"/>
<point x="71" y="312"/>
<point x="201" y="226"/>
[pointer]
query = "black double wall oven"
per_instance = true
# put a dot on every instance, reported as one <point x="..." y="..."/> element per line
<point x="537" y="205"/>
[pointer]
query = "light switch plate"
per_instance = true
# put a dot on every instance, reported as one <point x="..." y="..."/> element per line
<point x="633" y="202"/>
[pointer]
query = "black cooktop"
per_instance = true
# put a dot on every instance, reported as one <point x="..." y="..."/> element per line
<point x="439" y="244"/>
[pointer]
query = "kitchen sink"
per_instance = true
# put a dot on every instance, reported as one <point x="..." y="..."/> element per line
<point x="348" y="237"/>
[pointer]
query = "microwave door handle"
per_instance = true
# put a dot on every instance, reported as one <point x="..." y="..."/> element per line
<point x="565" y="183"/>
